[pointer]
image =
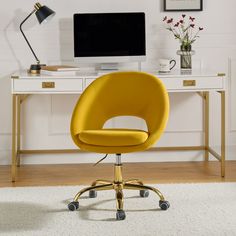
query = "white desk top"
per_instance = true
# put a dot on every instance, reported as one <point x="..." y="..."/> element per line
<point x="92" y="74"/>
<point x="187" y="73"/>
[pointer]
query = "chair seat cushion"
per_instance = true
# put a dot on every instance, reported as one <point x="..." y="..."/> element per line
<point x="113" y="137"/>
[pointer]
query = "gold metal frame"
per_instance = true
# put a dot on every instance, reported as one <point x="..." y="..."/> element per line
<point x="118" y="185"/>
<point x="17" y="100"/>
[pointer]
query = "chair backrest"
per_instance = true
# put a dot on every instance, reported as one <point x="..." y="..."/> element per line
<point x="122" y="94"/>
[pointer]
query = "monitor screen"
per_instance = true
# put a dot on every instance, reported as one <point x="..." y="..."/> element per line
<point x="109" y="34"/>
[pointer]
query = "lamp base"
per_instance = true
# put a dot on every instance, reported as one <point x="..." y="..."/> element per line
<point x="35" y="68"/>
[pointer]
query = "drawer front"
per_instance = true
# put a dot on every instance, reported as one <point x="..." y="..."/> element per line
<point x="60" y="85"/>
<point x="192" y="83"/>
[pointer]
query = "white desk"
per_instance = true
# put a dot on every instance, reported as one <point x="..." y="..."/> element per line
<point x="24" y="84"/>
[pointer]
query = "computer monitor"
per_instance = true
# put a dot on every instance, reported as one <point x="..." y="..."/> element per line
<point x="109" y="37"/>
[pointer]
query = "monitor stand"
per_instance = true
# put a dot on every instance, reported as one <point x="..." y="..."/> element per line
<point x="106" y="68"/>
<point x="109" y="67"/>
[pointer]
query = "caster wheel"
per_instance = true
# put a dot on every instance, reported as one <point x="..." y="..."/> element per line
<point x="120" y="215"/>
<point x="164" y="205"/>
<point x="73" y="206"/>
<point x="144" y="193"/>
<point x="92" y="194"/>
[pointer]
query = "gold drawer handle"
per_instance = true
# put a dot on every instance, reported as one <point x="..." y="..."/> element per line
<point x="189" y="83"/>
<point x="48" y="84"/>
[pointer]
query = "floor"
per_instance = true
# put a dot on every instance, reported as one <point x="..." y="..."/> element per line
<point x="75" y="174"/>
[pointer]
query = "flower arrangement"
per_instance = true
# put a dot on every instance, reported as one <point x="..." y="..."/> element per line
<point x="184" y="30"/>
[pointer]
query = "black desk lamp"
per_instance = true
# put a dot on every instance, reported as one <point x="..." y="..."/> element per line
<point x="43" y="14"/>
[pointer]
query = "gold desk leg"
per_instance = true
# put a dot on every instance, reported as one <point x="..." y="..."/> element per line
<point x="18" y="128"/>
<point x="222" y="133"/>
<point x="206" y="125"/>
<point x="13" y="166"/>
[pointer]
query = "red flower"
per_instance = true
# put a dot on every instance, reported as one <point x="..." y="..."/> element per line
<point x="170" y="20"/>
<point x="177" y="24"/>
<point x="184" y="29"/>
<point x="165" y="18"/>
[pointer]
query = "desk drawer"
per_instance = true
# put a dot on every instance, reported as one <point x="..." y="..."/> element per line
<point x="194" y="83"/>
<point x="58" y="85"/>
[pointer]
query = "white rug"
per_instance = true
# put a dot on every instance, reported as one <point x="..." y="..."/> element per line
<point x="196" y="209"/>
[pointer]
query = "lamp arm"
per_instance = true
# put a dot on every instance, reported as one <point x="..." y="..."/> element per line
<point x="38" y="62"/>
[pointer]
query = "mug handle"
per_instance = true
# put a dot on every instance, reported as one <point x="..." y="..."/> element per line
<point x="173" y="65"/>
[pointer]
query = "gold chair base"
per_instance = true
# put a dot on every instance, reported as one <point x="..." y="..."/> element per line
<point x="118" y="185"/>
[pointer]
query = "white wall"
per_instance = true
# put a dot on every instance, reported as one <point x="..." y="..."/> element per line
<point x="47" y="118"/>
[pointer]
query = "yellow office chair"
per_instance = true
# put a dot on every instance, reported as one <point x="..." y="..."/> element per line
<point x="120" y="94"/>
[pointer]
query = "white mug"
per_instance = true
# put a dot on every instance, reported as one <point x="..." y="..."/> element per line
<point x="165" y="65"/>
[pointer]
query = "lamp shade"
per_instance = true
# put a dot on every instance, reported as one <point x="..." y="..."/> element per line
<point x="44" y="14"/>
